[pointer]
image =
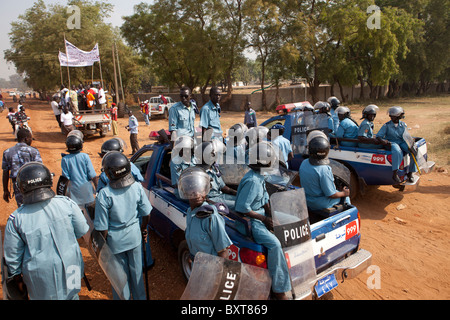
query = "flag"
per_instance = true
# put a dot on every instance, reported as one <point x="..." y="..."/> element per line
<point x="75" y="57"/>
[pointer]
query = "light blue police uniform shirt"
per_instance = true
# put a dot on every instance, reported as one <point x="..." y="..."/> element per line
<point x="104" y="180"/>
<point x="366" y="130"/>
<point x="78" y="168"/>
<point x="318" y="183"/>
<point x="393" y="133"/>
<point x="118" y="211"/>
<point x="210" y="118"/>
<point x="182" y="119"/>
<point x="335" y="118"/>
<point x="252" y="194"/>
<point x="284" y="145"/>
<point x="206" y="235"/>
<point x="349" y="130"/>
<point x="41" y="243"/>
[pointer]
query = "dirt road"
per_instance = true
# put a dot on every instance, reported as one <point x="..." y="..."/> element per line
<point x="407" y="233"/>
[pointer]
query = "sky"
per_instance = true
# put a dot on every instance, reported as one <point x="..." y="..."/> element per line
<point x="12" y="9"/>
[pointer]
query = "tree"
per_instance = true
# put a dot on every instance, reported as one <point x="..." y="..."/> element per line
<point x="38" y="35"/>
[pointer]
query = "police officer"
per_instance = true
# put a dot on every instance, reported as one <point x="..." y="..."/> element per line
<point x="115" y="144"/>
<point x="182" y="157"/>
<point x="324" y="108"/>
<point x="13" y="159"/>
<point x="316" y="177"/>
<point x="235" y="148"/>
<point x="210" y="115"/>
<point x="207" y="154"/>
<point x="334" y="104"/>
<point x="119" y="208"/>
<point x="348" y="128"/>
<point x="393" y="131"/>
<point x="77" y="167"/>
<point x="182" y="116"/>
<point x="280" y="142"/>
<point x="366" y="136"/>
<point x="205" y="228"/>
<point x="252" y="200"/>
<point x="41" y="248"/>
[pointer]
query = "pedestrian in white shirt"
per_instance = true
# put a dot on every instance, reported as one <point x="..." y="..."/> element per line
<point x="66" y="120"/>
<point x="101" y="97"/>
<point x="56" y="110"/>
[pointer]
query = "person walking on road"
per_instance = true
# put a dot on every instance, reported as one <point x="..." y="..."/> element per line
<point x="133" y="128"/>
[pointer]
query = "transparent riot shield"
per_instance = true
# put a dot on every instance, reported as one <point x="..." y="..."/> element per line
<point x="421" y="163"/>
<point x="302" y="123"/>
<point x="292" y="228"/>
<point x="321" y="123"/>
<point x="216" y="278"/>
<point x="108" y="262"/>
<point x="279" y="179"/>
<point x="83" y="194"/>
<point x="342" y="175"/>
<point x="232" y="174"/>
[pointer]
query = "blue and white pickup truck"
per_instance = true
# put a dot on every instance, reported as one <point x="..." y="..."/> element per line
<point x="335" y="235"/>
<point x="367" y="166"/>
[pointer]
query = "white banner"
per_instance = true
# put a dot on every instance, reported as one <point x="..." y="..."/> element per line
<point x="78" y="58"/>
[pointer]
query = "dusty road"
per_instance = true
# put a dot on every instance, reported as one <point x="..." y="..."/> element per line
<point x="407" y="233"/>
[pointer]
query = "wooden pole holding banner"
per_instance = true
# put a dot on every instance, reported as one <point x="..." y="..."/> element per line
<point x="120" y="73"/>
<point x="67" y="55"/>
<point x="60" y="68"/>
<point x="100" y="63"/>
<point x="115" y="76"/>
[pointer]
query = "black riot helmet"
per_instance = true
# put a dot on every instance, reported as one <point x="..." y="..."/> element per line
<point x="319" y="147"/>
<point x="117" y="168"/>
<point x="334" y="102"/>
<point x="35" y="182"/>
<point x="74" y="144"/>
<point x="110" y="145"/>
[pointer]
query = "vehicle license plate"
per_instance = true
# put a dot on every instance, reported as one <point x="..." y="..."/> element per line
<point x="325" y="285"/>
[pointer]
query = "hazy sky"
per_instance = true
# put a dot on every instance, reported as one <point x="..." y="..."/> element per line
<point x="10" y="10"/>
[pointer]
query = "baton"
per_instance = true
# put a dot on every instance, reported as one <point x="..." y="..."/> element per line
<point x="145" y="269"/>
<point x="86" y="282"/>
<point x="415" y="161"/>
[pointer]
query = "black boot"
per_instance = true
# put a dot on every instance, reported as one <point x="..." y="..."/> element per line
<point x="395" y="177"/>
<point x="410" y="177"/>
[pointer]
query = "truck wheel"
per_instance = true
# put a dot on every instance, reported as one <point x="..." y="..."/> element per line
<point x="166" y="114"/>
<point x="184" y="258"/>
<point x="354" y="186"/>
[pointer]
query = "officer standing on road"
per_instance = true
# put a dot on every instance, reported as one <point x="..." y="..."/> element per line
<point x="252" y="200"/>
<point x="13" y="159"/>
<point x="317" y="179"/>
<point x="132" y="127"/>
<point x="119" y="208"/>
<point x="393" y="131"/>
<point x="41" y="249"/>
<point x="77" y="167"/>
<point x="182" y="116"/>
<point x="205" y="228"/>
<point x="210" y="115"/>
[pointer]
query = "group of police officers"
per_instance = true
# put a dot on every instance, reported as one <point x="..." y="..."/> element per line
<point x="41" y="250"/>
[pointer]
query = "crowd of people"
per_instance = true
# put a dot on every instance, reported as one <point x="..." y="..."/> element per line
<point x="41" y="235"/>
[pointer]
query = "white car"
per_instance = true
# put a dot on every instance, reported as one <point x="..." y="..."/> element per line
<point x="159" y="107"/>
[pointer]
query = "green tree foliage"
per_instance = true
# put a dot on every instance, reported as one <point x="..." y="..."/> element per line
<point x="38" y="35"/>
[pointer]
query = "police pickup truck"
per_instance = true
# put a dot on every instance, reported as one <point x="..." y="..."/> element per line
<point x="332" y="237"/>
<point x="367" y="166"/>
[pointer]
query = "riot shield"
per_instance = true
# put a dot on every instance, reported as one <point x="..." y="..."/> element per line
<point x="62" y="185"/>
<point x="232" y="174"/>
<point x="301" y="123"/>
<point x="341" y="173"/>
<point x="421" y="163"/>
<point x="279" y="179"/>
<point x="100" y="250"/>
<point x="83" y="194"/>
<point x="321" y="123"/>
<point x="216" y="278"/>
<point x="292" y="228"/>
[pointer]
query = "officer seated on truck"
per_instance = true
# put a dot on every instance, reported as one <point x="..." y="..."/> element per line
<point x="316" y="177"/>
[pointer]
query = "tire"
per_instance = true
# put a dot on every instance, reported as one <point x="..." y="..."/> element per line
<point x="184" y="259"/>
<point x="354" y="186"/>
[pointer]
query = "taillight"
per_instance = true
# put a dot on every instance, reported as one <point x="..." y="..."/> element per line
<point x="160" y="108"/>
<point x="389" y="158"/>
<point x="253" y="258"/>
<point x="359" y="223"/>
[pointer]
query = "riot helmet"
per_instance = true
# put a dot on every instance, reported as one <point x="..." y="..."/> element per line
<point x="209" y="152"/>
<point x="255" y="135"/>
<point x="110" y="145"/>
<point x="77" y="133"/>
<point x="322" y="107"/>
<point x="74" y="144"/>
<point x="193" y="182"/>
<point x="237" y="132"/>
<point x="396" y="112"/>
<point x="117" y="168"/>
<point x="334" y="102"/>
<point x="319" y="147"/>
<point x="183" y="147"/>
<point x="371" y="109"/>
<point x="343" y="112"/>
<point x="263" y="155"/>
<point x="35" y="182"/>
